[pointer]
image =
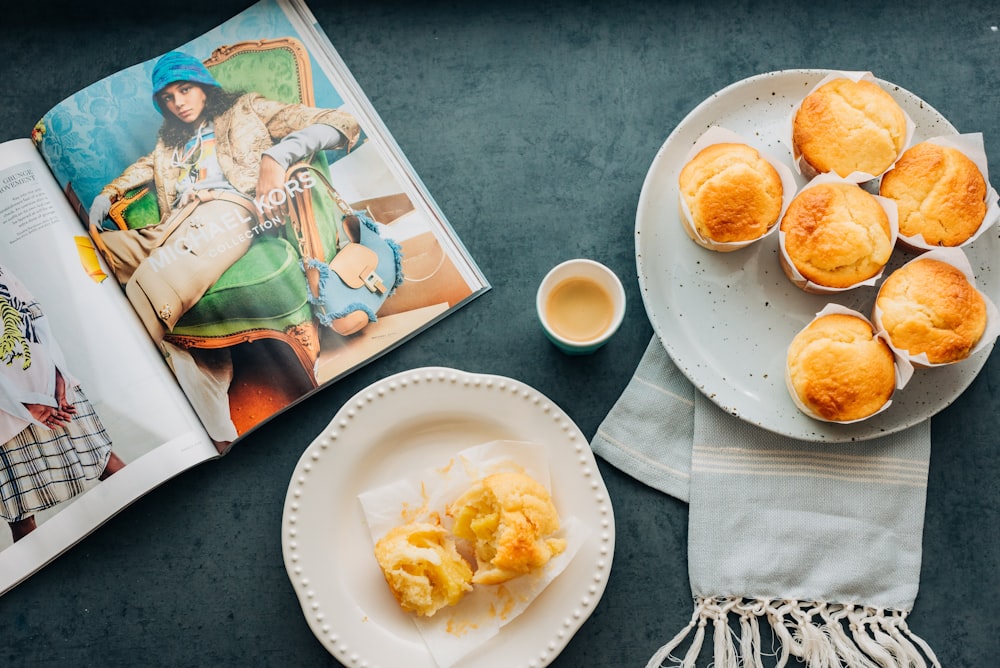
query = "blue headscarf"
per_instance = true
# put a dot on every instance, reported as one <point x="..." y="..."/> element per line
<point x="177" y="66"/>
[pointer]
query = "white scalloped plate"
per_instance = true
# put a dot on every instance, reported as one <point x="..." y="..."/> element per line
<point x="726" y="319"/>
<point x="401" y="424"/>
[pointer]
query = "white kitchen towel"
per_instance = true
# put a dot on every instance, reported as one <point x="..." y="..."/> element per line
<point x="820" y="541"/>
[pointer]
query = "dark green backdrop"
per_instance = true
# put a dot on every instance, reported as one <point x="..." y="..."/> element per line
<point x="533" y="124"/>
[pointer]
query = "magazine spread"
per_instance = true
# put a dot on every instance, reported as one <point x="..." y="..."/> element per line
<point x="189" y="247"/>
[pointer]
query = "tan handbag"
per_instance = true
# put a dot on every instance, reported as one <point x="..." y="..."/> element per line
<point x="166" y="268"/>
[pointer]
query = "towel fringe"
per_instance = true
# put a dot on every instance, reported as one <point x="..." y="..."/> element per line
<point x="819" y="635"/>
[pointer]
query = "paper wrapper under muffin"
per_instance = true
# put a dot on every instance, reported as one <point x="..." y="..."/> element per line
<point x="807" y="170"/>
<point x="902" y="369"/>
<point x="456" y="631"/>
<point x="957" y="258"/>
<point x="796" y="276"/>
<point x="720" y="135"/>
<point x="971" y="145"/>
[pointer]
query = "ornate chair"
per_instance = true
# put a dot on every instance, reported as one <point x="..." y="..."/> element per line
<point x="263" y="295"/>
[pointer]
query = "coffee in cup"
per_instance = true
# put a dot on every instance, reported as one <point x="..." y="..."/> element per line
<point x="580" y="304"/>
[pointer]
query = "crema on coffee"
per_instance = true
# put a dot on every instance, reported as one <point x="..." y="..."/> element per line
<point x="579" y="309"/>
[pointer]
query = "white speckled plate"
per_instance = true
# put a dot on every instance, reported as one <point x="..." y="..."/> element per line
<point x="726" y="319"/>
<point x="404" y="423"/>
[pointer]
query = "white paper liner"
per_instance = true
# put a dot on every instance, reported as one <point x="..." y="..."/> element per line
<point x="455" y="631"/>
<point x="719" y="135"/>
<point x="903" y="368"/>
<point x="957" y="258"/>
<point x="888" y="205"/>
<point x="805" y="168"/>
<point x="971" y="144"/>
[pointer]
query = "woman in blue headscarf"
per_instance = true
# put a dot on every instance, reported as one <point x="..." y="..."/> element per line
<point x="218" y="168"/>
<point x="213" y="145"/>
<point x="255" y="138"/>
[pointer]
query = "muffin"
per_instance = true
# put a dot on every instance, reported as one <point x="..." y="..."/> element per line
<point x="509" y="519"/>
<point x="423" y="567"/>
<point x="835" y="235"/>
<point x="939" y="192"/>
<point x="929" y="307"/>
<point x="849" y="126"/>
<point x="733" y="194"/>
<point x="838" y="370"/>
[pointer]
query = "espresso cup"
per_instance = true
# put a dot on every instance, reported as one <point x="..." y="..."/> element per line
<point x="580" y="304"/>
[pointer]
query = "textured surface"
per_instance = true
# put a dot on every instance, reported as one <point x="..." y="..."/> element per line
<point x="533" y="124"/>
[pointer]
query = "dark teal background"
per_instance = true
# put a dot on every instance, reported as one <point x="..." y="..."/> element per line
<point x="533" y="125"/>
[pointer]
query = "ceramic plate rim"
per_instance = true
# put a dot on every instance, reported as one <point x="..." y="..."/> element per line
<point x="660" y="241"/>
<point x="359" y="623"/>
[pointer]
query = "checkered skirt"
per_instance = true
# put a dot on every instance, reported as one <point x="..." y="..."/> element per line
<point x="41" y="467"/>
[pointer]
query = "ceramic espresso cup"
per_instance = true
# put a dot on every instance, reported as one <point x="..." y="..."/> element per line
<point x="580" y="304"/>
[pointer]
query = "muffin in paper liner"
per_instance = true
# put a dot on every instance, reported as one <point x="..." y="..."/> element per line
<point x="716" y="135"/>
<point x="948" y="204"/>
<point x="898" y="376"/>
<point x="956" y="258"/>
<point x="459" y="630"/>
<point x="803" y="167"/>
<point x="798" y="276"/>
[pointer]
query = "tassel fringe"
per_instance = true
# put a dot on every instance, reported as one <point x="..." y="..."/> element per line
<point x="819" y="635"/>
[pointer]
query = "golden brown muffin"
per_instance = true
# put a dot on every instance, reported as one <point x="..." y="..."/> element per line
<point x="846" y="126"/>
<point x="929" y="306"/>
<point x="423" y="568"/>
<point x="939" y="192"/>
<point x="732" y="192"/>
<point x="510" y="520"/>
<point x="836" y="234"/>
<point x="839" y="370"/>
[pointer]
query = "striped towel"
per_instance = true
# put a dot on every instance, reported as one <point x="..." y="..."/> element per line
<point x="775" y="527"/>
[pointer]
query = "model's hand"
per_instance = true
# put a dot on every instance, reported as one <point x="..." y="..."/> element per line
<point x="271" y="195"/>
<point x="49" y="416"/>
<point x="64" y="405"/>
<point x="99" y="209"/>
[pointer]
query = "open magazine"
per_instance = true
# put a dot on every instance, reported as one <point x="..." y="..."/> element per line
<point x="187" y="248"/>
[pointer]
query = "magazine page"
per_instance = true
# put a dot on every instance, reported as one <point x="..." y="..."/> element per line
<point x="90" y="415"/>
<point x="257" y="214"/>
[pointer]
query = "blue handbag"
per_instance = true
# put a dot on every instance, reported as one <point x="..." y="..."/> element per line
<point x="347" y="291"/>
